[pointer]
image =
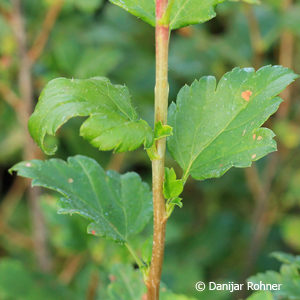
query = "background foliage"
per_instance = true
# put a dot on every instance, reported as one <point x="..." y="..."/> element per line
<point x="227" y="227"/>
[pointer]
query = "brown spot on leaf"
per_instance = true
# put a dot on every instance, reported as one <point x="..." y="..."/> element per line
<point x="28" y="164"/>
<point x="93" y="232"/>
<point x="246" y="95"/>
<point x="112" y="278"/>
<point x="254" y="136"/>
<point x="259" y="138"/>
<point x="70" y="180"/>
<point x="253" y="156"/>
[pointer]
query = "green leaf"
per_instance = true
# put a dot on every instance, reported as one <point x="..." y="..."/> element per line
<point x="176" y="202"/>
<point x="71" y="236"/>
<point x="248" y="1"/>
<point x="161" y="131"/>
<point x="290" y="232"/>
<point x="126" y="283"/>
<point x="188" y="12"/>
<point x="88" y="6"/>
<point x="18" y="282"/>
<point x="288" y="277"/>
<point x="217" y="127"/>
<point x="171" y="203"/>
<point x="172" y="187"/>
<point x="152" y="152"/>
<point x="119" y="206"/>
<point x="287" y="258"/>
<point x="144" y="9"/>
<point x="103" y="62"/>
<point x="179" y="13"/>
<point x="113" y="123"/>
<point x="261" y="296"/>
<point x="167" y="295"/>
<point x="147" y="250"/>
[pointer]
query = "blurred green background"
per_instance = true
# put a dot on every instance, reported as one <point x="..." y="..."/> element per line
<point x="227" y="227"/>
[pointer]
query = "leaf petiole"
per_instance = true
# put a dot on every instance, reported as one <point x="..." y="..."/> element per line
<point x="142" y="266"/>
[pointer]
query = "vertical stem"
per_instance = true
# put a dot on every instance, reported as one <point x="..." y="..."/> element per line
<point x="286" y="57"/>
<point x="158" y="165"/>
<point x="30" y="150"/>
<point x="262" y="217"/>
<point x="255" y="36"/>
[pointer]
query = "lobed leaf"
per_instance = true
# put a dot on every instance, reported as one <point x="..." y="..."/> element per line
<point x="119" y="206"/>
<point x="188" y="12"/>
<point x="144" y="9"/>
<point x="288" y="278"/>
<point x="218" y="127"/>
<point x="127" y="284"/>
<point x="287" y="258"/>
<point x="113" y="123"/>
<point x="179" y="13"/>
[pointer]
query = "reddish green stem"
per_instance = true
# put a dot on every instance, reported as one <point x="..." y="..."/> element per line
<point x="158" y="165"/>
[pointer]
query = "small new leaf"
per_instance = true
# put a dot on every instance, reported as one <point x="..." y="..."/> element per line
<point x="119" y="206"/>
<point x="172" y="187"/>
<point x="146" y="250"/>
<point x="113" y="123"/>
<point x="161" y="131"/>
<point x="152" y="152"/>
<point x="218" y="127"/>
<point x="177" y="202"/>
<point x="171" y="203"/>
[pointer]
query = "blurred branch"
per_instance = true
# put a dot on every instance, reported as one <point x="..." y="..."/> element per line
<point x="11" y="199"/>
<point x="42" y="38"/>
<point x="10" y="97"/>
<point x="254" y="183"/>
<point x="30" y="150"/>
<point x="6" y="14"/>
<point x="71" y="268"/>
<point x="16" y="237"/>
<point x="255" y="36"/>
<point x="263" y="216"/>
<point x="261" y="192"/>
<point x="286" y="56"/>
<point x="93" y="286"/>
<point x="116" y="162"/>
<point x="260" y="188"/>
